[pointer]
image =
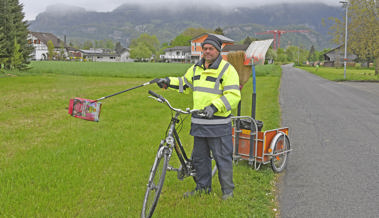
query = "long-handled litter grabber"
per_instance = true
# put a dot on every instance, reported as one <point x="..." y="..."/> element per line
<point x="90" y="109"/>
<point x="145" y="84"/>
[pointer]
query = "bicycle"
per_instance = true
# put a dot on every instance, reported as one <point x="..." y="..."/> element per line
<point x="166" y="147"/>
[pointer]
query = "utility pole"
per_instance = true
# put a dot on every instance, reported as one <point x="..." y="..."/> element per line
<point x="298" y="55"/>
<point x="346" y="5"/>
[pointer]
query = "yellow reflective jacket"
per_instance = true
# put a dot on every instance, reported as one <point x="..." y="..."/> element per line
<point x="217" y="85"/>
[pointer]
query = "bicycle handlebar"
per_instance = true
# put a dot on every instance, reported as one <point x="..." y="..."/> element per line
<point x="161" y="99"/>
<point x="156" y="95"/>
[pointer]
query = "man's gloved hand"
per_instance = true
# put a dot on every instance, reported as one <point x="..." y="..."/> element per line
<point x="209" y="111"/>
<point x="163" y="82"/>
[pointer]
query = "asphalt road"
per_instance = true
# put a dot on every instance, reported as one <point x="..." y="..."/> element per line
<point x="334" y="131"/>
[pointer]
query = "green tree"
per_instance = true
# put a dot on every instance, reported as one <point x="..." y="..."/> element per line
<point x="16" y="59"/>
<point x="292" y="53"/>
<point x="50" y="50"/>
<point x="219" y="31"/>
<point x="247" y="41"/>
<point x="118" y="48"/>
<point x="363" y="31"/>
<point x="271" y="54"/>
<point x="181" y="40"/>
<point x="13" y="28"/>
<point x="88" y="44"/>
<point x="61" y="51"/>
<point x="99" y="44"/>
<point x="302" y="55"/>
<point x="145" y="40"/>
<point x="2" y="47"/>
<point x="193" y="32"/>
<point x="109" y="44"/>
<point x="184" y="39"/>
<point x="140" y="52"/>
<point x="312" y="56"/>
<point x="163" y="47"/>
<point x="281" y="55"/>
<point x="74" y="44"/>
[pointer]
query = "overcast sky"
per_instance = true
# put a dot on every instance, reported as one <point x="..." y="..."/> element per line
<point x="33" y="7"/>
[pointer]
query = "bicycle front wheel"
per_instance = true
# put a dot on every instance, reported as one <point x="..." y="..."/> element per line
<point x="155" y="184"/>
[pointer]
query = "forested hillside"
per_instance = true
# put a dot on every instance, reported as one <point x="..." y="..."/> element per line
<point x="130" y="20"/>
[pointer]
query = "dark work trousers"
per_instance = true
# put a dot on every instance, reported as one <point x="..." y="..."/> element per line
<point x="222" y="150"/>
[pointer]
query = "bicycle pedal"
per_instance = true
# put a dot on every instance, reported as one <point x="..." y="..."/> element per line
<point x="180" y="176"/>
<point x="181" y="173"/>
<point x="170" y="168"/>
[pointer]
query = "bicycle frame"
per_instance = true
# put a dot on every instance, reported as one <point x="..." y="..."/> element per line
<point x="173" y="140"/>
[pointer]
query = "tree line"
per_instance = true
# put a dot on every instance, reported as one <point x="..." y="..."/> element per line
<point x="147" y="46"/>
<point x="363" y="38"/>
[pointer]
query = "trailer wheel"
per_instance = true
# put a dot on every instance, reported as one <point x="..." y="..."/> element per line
<point x="279" y="157"/>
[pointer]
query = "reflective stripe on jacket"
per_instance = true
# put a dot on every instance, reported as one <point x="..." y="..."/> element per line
<point x="217" y="85"/>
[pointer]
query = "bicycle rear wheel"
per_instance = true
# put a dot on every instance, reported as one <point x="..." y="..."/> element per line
<point x="155" y="184"/>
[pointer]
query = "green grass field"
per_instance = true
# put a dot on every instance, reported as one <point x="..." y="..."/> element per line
<point x="337" y="74"/>
<point x="106" y="69"/>
<point x="54" y="165"/>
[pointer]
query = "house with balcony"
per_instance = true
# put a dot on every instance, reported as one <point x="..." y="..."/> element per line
<point x="39" y="41"/>
<point x="178" y="54"/>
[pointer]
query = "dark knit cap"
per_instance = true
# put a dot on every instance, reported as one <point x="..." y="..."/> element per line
<point x="213" y="40"/>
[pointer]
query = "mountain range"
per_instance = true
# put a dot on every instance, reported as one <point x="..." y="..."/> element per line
<point x="130" y="20"/>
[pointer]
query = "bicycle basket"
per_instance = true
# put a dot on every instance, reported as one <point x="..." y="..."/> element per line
<point x="84" y="109"/>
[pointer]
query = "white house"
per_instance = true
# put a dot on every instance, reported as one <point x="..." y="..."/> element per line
<point x="104" y="55"/>
<point x="39" y="41"/>
<point x="181" y="54"/>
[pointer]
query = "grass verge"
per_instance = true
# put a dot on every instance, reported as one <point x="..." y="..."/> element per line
<point x="337" y="74"/>
<point x="54" y="165"/>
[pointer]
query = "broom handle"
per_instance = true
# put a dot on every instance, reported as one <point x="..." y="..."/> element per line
<point x="239" y="109"/>
<point x="150" y="82"/>
<point x="254" y="96"/>
<point x="254" y="81"/>
<point x="253" y="106"/>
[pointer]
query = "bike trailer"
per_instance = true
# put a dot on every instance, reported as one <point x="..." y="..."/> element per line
<point x="255" y="146"/>
<point x="246" y="149"/>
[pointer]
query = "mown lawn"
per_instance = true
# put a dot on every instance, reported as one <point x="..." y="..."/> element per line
<point x="337" y="74"/>
<point x="54" y="165"/>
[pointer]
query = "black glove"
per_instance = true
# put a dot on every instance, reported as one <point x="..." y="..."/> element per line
<point x="163" y="82"/>
<point x="209" y="111"/>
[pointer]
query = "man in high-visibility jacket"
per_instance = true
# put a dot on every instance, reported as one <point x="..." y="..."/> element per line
<point x="215" y="87"/>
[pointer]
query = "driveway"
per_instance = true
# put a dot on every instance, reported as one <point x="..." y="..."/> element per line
<point x="334" y="131"/>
